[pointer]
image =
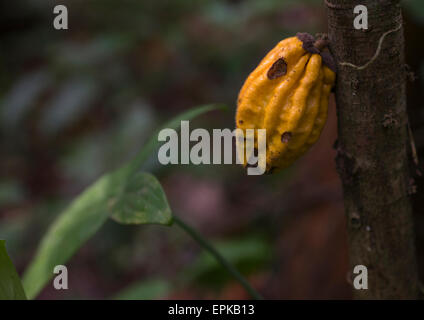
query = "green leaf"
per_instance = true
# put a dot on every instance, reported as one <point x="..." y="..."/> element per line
<point x="113" y="193"/>
<point x="72" y="228"/>
<point x="10" y="284"/>
<point x="143" y="201"/>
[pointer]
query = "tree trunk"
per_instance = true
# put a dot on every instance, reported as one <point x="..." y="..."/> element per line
<point x="373" y="144"/>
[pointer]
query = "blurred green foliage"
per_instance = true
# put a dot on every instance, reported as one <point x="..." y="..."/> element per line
<point x="145" y="290"/>
<point x="415" y="9"/>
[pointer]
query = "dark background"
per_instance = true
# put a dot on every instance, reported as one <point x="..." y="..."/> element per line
<point x="76" y="103"/>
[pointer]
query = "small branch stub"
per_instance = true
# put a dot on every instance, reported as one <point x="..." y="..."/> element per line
<point x="318" y="45"/>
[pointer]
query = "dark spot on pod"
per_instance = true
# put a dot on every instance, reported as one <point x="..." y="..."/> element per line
<point x="286" y="136"/>
<point x="240" y="121"/>
<point x="278" y="69"/>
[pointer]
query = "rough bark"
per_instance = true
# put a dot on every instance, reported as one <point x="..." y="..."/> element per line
<point x="372" y="147"/>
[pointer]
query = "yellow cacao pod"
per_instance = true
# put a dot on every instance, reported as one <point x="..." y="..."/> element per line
<point x="287" y="94"/>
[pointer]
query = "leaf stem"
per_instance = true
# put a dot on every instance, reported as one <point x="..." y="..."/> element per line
<point x="224" y="262"/>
